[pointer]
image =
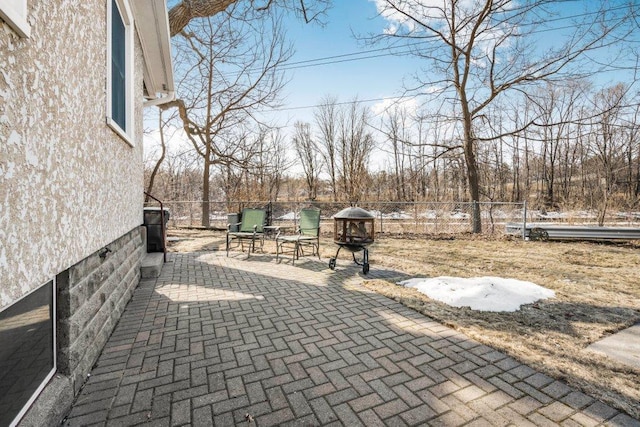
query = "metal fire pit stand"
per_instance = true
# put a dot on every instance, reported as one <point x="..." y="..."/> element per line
<point x="353" y="250"/>
<point x="353" y="229"/>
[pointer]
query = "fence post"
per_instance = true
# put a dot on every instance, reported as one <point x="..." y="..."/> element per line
<point x="524" y="220"/>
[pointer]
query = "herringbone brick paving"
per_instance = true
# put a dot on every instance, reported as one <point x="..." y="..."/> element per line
<point x="234" y="341"/>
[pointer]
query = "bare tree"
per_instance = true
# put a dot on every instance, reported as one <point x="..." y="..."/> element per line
<point x="307" y="151"/>
<point x="239" y="176"/>
<point x="229" y="178"/>
<point x="434" y="155"/>
<point x="633" y="152"/>
<point x="261" y="176"/>
<point x="355" y="144"/>
<point x="163" y="152"/>
<point x="396" y="128"/>
<point x="326" y="118"/>
<point x="186" y="10"/>
<point x="484" y="50"/>
<point x="229" y="69"/>
<point x="157" y="164"/>
<point x="422" y="163"/>
<point x="557" y="109"/>
<point x="270" y="163"/>
<point x="491" y="162"/>
<point x="608" y="142"/>
<point x="177" y="178"/>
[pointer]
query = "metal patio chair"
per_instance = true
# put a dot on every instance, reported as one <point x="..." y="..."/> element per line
<point x="251" y="229"/>
<point x="307" y="236"/>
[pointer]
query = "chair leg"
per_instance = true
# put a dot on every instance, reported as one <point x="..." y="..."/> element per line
<point x="280" y="249"/>
<point x="253" y="245"/>
<point x="296" y="252"/>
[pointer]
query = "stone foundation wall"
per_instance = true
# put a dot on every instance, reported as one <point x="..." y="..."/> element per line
<point x="91" y="296"/>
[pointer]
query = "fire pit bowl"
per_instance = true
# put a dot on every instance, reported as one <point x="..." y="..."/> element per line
<point x="353" y="229"/>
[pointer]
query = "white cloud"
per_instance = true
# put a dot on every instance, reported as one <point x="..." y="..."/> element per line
<point x="435" y="14"/>
<point x="427" y="11"/>
<point x="388" y="104"/>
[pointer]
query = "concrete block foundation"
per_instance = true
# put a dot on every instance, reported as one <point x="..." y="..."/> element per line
<point x="91" y="296"/>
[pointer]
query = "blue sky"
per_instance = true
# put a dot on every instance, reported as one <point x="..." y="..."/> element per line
<point x="373" y="78"/>
<point x="379" y="77"/>
<point x="370" y="78"/>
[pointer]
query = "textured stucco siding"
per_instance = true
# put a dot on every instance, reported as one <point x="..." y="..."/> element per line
<point x="69" y="185"/>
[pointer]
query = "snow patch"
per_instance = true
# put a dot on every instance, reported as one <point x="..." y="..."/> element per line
<point x="480" y="293"/>
<point x="288" y="216"/>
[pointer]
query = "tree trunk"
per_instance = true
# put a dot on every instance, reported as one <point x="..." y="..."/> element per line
<point x="206" y="222"/>
<point x="183" y="12"/>
<point x="471" y="162"/>
<point x="474" y="185"/>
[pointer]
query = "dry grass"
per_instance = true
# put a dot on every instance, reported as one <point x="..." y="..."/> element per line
<point x="597" y="294"/>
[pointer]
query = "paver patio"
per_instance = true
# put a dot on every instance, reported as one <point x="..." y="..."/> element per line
<point x="235" y="341"/>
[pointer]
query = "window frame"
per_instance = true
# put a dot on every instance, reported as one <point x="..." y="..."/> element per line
<point x="54" y="349"/>
<point x="124" y="10"/>
<point x="16" y="18"/>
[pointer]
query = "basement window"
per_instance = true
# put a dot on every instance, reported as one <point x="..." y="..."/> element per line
<point x="120" y="68"/>
<point x="14" y="13"/>
<point x="27" y="351"/>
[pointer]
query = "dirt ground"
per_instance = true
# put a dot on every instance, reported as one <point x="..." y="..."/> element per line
<point x="597" y="294"/>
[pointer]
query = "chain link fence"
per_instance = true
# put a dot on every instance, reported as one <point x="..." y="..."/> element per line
<point x="422" y="218"/>
<point x="400" y="218"/>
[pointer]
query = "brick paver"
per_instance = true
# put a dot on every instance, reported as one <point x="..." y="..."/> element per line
<point x="219" y="340"/>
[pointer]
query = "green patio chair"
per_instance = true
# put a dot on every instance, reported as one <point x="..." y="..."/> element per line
<point x="307" y="236"/>
<point x="251" y="229"/>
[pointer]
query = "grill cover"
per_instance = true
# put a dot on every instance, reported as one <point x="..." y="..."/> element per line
<point x="352" y="213"/>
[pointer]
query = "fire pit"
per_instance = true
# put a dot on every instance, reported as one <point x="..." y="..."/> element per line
<point x="353" y="230"/>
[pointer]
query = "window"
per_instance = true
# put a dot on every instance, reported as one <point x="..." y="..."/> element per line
<point x="14" y="13"/>
<point x="120" y="69"/>
<point x="27" y="351"/>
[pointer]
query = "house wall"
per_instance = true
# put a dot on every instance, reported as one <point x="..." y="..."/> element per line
<point x="91" y="298"/>
<point x="69" y="185"/>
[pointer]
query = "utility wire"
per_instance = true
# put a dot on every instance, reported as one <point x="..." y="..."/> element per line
<point x="357" y="101"/>
<point x="392" y="51"/>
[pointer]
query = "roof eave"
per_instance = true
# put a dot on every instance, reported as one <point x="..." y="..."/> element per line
<point x="152" y="24"/>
